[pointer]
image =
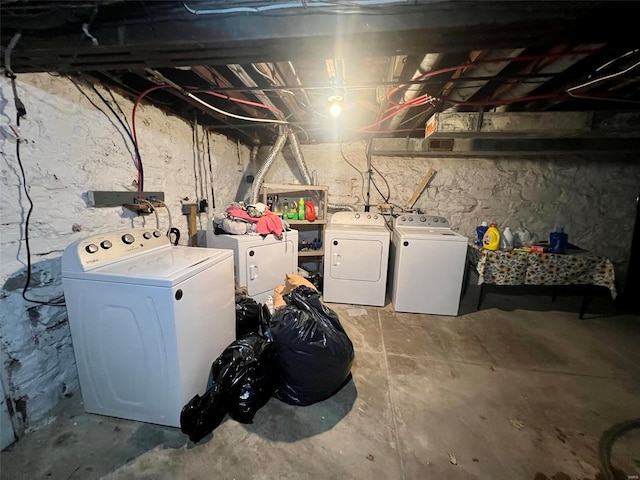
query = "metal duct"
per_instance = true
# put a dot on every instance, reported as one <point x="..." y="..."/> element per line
<point x="297" y="154"/>
<point x="521" y="89"/>
<point x="464" y="90"/>
<point x="271" y="156"/>
<point x="426" y="65"/>
<point x="302" y="166"/>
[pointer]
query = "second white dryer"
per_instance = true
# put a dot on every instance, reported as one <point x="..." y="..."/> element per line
<point x="260" y="262"/>
<point x="356" y="257"/>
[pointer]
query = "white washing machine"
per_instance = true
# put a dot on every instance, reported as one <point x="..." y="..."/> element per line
<point x="261" y="262"/>
<point x="356" y="257"/>
<point x="147" y="321"/>
<point x="427" y="265"/>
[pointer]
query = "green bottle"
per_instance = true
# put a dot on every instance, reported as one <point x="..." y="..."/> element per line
<point x="301" y="209"/>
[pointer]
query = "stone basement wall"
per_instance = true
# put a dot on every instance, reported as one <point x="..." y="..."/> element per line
<point x="70" y="148"/>
<point x="594" y="198"/>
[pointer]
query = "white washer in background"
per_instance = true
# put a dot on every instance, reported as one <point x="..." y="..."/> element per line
<point x="147" y="320"/>
<point x="261" y="262"/>
<point x="426" y="265"/>
<point x="356" y="258"/>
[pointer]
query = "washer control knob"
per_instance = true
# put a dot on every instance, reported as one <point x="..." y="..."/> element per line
<point x="435" y="220"/>
<point x="375" y="217"/>
<point x="411" y="219"/>
<point x="146" y="235"/>
<point x="402" y="219"/>
<point x="128" y="238"/>
<point x="369" y="217"/>
<point x="423" y="219"/>
<point x="157" y="233"/>
<point x="91" y="248"/>
<point x="106" y="244"/>
<point x="357" y="215"/>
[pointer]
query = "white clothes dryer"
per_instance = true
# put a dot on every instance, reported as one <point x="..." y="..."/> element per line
<point x="261" y="262"/>
<point x="147" y="320"/>
<point x="426" y="265"/>
<point x="356" y="257"/>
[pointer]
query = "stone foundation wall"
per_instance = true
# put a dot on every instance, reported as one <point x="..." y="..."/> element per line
<point x="69" y="147"/>
<point x="593" y="198"/>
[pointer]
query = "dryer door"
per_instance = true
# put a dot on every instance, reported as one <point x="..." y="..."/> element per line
<point x="267" y="265"/>
<point x="355" y="259"/>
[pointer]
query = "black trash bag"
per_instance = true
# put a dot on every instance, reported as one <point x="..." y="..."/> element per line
<point x="249" y="316"/>
<point x="247" y="372"/>
<point x="242" y="380"/>
<point x="314" y="352"/>
<point x="203" y="414"/>
<point x="317" y="281"/>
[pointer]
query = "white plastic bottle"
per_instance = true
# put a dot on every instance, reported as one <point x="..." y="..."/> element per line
<point x="506" y="239"/>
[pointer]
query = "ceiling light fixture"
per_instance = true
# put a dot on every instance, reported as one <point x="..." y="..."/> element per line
<point x="335" y="105"/>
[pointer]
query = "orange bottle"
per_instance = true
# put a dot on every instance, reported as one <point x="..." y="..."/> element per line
<point x="309" y="211"/>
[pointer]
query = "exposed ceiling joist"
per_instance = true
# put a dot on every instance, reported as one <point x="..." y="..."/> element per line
<point x="276" y="61"/>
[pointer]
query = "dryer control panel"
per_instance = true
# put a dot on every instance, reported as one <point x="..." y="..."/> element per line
<point x="357" y="218"/>
<point x="425" y="221"/>
<point x="105" y="248"/>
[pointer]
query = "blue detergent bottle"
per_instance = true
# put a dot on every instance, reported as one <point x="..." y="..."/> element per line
<point x="558" y="241"/>
<point x="480" y="231"/>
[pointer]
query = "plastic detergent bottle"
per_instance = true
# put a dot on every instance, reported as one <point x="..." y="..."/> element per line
<point x="301" y="209"/>
<point x="309" y="211"/>
<point x="292" y="212"/>
<point x="491" y="239"/>
<point x="558" y="241"/>
<point x="480" y="231"/>
<point x="506" y="241"/>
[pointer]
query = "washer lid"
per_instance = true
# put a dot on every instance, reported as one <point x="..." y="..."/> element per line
<point x="162" y="268"/>
<point x="440" y="234"/>
<point x="358" y="229"/>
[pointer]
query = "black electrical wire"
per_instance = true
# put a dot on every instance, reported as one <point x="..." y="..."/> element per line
<point x="135" y="146"/>
<point x="21" y="111"/>
<point x="115" y="102"/>
<point x="107" y="116"/>
<point x="371" y="180"/>
<point x="359" y="172"/>
<point x="378" y="190"/>
<point x="26" y="234"/>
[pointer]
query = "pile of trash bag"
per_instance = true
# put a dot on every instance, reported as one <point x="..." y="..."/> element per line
<point x="242" y="381"/>
<point x="314" y="352"/>
<point x="300" y="354"/>
<point x="251" y="316"/>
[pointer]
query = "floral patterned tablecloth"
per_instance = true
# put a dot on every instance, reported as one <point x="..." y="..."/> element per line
<point x="525" y="268"/>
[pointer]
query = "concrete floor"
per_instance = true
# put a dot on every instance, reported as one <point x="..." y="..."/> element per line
<point x="521" y="389"/>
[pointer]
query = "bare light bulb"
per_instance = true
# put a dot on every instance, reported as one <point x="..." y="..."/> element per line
<point x="335" y="109"/>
